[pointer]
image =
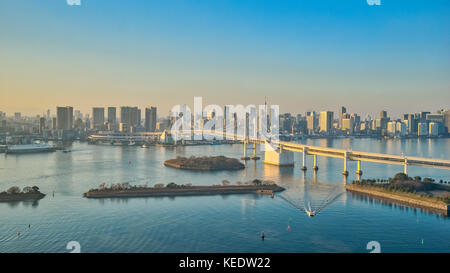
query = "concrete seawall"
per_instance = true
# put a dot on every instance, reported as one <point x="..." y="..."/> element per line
<point x="373" y="191"/>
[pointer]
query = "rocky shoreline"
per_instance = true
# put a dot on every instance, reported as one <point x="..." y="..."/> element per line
<point x="404" y="198"/>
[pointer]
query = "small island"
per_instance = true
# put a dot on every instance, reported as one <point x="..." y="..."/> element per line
<point x="204" y="163"/>
<point x="405" y="189"/>
<point x="126" y="190"/>
<point x="14" y="194"/>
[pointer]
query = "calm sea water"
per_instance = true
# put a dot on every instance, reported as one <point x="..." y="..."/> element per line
<point x="213" y="223"/>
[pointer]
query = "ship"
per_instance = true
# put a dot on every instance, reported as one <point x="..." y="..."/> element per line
<point x="30" y="148"/>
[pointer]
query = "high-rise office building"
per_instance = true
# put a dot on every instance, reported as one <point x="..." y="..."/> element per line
<point x="112" y="119"/>
<point x="447" y="120"/>
<point x="311" y="121"/>
<point x="383" y="114"/>
<point x="326" y="121"/>
<point x="64" y="118"/>
<point x="41" y="125"/>
<point x="150" y="119"/>
<point x="98" y="117"/>
<point x="342" y="111"/>
<point x="129" y="115"/>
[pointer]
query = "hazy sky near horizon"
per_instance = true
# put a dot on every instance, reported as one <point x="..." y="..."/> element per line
<point x="303" y="54"/>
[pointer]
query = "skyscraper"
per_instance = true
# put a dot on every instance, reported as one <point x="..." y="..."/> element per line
<point x="112" y="117"/>
<point x="98" y="117"/>
<point x="64" y="118"/>
<point x="150" y="119"/>
<point x="326" y="121"/>
<point x="129" y="115"/>
<point x="342" y="111"/>
<point x="311" y="121"/>
<point x="41" y="125"/>
<point x="447" y="120"/>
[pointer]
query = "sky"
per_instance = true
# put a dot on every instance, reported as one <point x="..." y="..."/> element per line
<point x="302" y="55"/>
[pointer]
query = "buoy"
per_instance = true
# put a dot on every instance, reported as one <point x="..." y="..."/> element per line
<point x="289" y="227"/>
<point x="18" y="233"/>
<point x="262" y="235"/>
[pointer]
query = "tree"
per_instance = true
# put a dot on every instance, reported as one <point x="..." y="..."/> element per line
<point x="171" y="185"/>
<point x="256" y="182"/>
<point x="13" y="190"/>
<point x="400" y="177"/>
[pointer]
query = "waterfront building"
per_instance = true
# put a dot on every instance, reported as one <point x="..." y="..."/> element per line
<point x="422" y="129"/>
<point x="130" y="115"/>
<point x="150" y="119"/>
<point x="112" y="119"/>
<point x="124" y="127"/>
<point x="401" y="129"/>
<point x="64" y="118"/>
<point x="446" y="114"/>
<point x="433" y="129"/>
<point x="98" y="118"/>
<point x="326" y="121"/>
<point x="392" y="128"/>
<point x="41" y="125"/>
<point x="311" y="122"/>
<point x="342" y="111"/>
<point x="347" y="125"/>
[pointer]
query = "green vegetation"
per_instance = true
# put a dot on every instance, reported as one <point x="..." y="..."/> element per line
<point x="205" y="163"/>
<point x="16" y="191"/>
<point x="15" y="194"/>
<point x="402" y="183"/>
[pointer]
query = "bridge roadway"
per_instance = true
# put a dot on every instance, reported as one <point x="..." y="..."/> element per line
<point x="312" y="150"/>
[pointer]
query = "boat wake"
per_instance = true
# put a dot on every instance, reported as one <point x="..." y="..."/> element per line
<point x="314" y="198"/>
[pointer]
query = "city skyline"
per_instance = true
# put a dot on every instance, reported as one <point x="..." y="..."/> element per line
<point x="302" y="55"/>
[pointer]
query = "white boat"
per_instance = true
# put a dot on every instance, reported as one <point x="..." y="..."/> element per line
<point x="309" y="210"/>
<point x="30" y="148"/>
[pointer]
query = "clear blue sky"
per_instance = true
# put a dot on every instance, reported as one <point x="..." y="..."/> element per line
<point x="303" y="54"/>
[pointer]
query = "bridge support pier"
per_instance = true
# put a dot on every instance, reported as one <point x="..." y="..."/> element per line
<point x="254" y="157"/>
<point x="405" y="171"/>
<point x="345" y="172"/>
<point x="278" y="158"/>
<point x="358" y="171"/>
<point x="304" y="159"/>
<point x="315" y="167"/>
<point x="245" y="157"/>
